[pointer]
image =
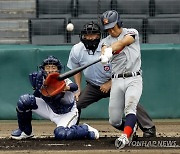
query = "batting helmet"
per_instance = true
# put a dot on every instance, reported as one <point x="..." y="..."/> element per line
<point x="110" y="18"/>
<point x="51" y="60"/>
<point x="90" y="28"/>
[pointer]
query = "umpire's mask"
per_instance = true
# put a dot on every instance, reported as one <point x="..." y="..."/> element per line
<point x="90" y="36"/>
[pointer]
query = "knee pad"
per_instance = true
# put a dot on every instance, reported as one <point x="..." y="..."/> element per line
<point x="60" y="133"/>
<point x="81" y="131"/>
<point x="63" y="133"/>
<point x="26" y="102"/>
<point x="74" y="132"/>
<point x="77" y="132"/>
<point x="24" y="121"/>
<point x="71" y="133"/>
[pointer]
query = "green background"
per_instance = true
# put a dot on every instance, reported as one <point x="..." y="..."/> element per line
<point x="161" y="73"/>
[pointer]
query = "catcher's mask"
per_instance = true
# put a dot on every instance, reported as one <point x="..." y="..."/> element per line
<point x="90" y="44"/>
<point x="110" y="18"/>
<point x="51" y="60"/>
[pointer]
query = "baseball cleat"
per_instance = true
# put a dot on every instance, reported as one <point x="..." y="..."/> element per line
<point x="19" y="135"/>
<point x="121" y="141"/>
<point x="93" y="133"/>
<point x="150" y="132"/>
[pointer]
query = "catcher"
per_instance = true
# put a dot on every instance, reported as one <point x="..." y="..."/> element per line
<point x="53" y="100"/>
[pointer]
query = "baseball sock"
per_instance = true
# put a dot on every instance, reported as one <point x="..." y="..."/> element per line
<point x="129" y="124"/>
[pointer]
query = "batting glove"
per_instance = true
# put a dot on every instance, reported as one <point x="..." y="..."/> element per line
<point x="104" y="59"/>
<point x="108" y="53"/>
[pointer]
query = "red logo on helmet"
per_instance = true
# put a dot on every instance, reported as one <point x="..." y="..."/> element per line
<point x="105" y="21"/>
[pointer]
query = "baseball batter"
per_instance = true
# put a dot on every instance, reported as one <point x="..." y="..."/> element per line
<point x="123" y="48"/>
<point x="59" y="108"/>
<point x="98" y="76"/>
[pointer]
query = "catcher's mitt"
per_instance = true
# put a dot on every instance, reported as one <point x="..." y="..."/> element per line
<point x="52" y="86"/>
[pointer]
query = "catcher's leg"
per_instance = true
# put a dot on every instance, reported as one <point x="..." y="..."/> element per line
<point x="76" y="132"/>
<point x="24" y="114"/>
<point x="79" y="115"/>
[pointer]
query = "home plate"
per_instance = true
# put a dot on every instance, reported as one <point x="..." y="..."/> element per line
<point x="88" y="145"/>
<point x="57" y="144"/>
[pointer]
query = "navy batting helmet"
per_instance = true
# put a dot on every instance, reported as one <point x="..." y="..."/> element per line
<point x="90" y="28"/>
<point x="110" y="18"/>
<point x="51" y="60"/>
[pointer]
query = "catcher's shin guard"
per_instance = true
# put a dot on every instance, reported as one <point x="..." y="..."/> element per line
<point x="60" y="133"/>
<point x="80" y="131"/>
<point x="74" y="132"/>
<point x="92" y="132"/>
<point x="25" y="104"/>
<point x="24" y="121"/>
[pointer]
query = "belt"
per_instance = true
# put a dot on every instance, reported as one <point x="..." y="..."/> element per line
<point x="126" y="74"/>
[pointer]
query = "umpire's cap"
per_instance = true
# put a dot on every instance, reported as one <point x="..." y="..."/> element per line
<point x="110" y="18"/>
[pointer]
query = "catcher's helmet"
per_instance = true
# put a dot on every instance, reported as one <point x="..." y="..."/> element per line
<point x="90" y="28"/>
<point x="110" y="18"/>
<point x="51" y="60"/>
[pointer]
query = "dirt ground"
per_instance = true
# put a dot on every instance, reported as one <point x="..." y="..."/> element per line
<point x="167" y="140"/>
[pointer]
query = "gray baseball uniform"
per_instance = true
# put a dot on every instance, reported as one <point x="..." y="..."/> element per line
<point x="96" y="75"/>
<point x="125" y="92"/>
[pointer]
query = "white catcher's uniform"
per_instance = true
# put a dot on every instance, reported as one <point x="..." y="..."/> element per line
<point x="67" y="119"/>
<point x="125" y="92"/>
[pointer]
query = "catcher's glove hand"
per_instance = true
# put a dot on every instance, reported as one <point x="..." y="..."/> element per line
<point x="36" y="79"/>
<point x="52" y="86"/>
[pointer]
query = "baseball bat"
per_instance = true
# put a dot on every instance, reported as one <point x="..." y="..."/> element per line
<point x="76" y="70"/>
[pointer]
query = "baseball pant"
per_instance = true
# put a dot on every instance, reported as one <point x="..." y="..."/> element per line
<point x="92" y="94"/>
<point x="66" y="120"/>
<point x="124" y="98"/>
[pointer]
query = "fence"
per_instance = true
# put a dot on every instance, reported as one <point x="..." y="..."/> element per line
<point x="44" y="21"/>
<point x="160" y="65"/>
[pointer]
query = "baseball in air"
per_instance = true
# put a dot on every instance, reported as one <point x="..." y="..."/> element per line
<point x="70" y="27"/>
